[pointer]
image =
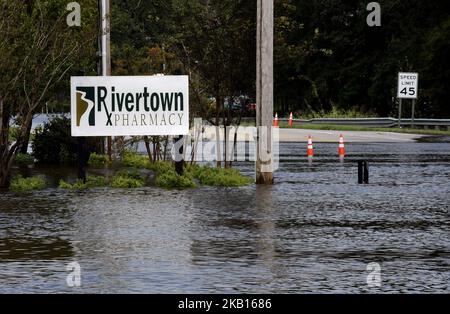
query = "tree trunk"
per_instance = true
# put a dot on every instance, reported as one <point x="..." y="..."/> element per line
<point x="166" y="143"/>
<point x="24" y="146"/>
<point x="219" y="106"/>
<point x="4" y="144"/>
<point x="238" y="124"/>
<point x="4" y="177"/>
<point x="225" y="135"/>
<point x="147" y="147"/>
<point x="155" y="156"/>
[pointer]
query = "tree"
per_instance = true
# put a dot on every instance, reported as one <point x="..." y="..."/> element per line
<point x="37" y="52"/>
<point x="217" y="42"/>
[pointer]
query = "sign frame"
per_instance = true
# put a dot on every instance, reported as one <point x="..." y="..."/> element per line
<point x="408" y="85"/>
<point x="129" y="105"/>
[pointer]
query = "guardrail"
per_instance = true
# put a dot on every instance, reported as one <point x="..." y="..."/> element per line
<point x="439" y="124"/>
<point x="374" y="122"/>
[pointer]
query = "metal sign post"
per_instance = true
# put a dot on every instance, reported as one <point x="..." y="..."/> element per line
<point x="408" y="88"/>
<point x="106" y="51"/>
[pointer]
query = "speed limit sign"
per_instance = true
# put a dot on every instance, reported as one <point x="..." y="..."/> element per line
<point x="408" y="84"/>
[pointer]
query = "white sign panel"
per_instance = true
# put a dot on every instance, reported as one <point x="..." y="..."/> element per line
<point x="408" y="84"/>
<point x="130" y="105"/>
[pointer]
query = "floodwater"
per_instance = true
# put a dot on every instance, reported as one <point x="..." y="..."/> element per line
<point x="315" y="231"/>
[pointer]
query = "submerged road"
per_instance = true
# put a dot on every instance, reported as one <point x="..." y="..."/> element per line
<point x="300" y="135"/>
<point x="325" y="136"/>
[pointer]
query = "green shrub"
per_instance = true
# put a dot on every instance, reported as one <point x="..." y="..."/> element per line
<point x="24" y="159"/>
<point x="221" y="177"/>
<point x="192" y="170"/>
<point x="20" y="184"/>
<point x="130" y="173"/>
<point x="171" y="179"/>
<point x="132" y="159"/>
<point x="54" y="143"/>
<point x="98" y="160"/>
<point x="127" y="180"/>
<point x="161" y="166"/>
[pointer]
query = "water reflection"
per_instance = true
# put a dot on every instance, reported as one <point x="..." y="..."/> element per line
<point x="26" y="249"/>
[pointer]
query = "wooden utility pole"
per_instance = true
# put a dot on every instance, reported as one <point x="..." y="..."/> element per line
<point x="264" y="91"/>
<point x="106" y="50"/>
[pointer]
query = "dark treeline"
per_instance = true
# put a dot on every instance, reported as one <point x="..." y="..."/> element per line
<point x="325" y="53"/>
<point x="331" y="56"/>
<point x="326" y="56"/>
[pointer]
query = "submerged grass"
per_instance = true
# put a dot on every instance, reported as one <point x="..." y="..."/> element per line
<point x="166" y="177"/>
<point x="169" y="179"/>
<point x="224" y="177"/>
<point x="91" y="182"/>
<point x="124" y="179"/>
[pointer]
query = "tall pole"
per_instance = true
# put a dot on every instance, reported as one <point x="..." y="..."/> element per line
<point x="106" y="39"/>
<point x="400" y="113"/>
<point x="264" y="91"/>
<point x="106" y="50"/>
<point x="413" y="112"/>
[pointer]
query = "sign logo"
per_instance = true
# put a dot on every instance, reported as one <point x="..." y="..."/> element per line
<point x="85" y="105"/>
<point x="130" y="105"/>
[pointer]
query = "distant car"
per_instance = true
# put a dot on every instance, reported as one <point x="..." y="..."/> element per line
<point x="251" y="107"/>
<point x="232" y="104"/>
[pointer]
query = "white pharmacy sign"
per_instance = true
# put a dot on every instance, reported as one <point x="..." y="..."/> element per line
<point x="129" y="105"/>
<point x="408" y="85"/>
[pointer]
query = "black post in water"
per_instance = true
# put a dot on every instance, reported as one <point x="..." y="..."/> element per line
<point x="363" y="172"/>
<point x="179" y="160"/>
<point x="82" y="160"/>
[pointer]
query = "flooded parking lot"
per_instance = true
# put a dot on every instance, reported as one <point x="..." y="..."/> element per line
<point x="315" y="231"/>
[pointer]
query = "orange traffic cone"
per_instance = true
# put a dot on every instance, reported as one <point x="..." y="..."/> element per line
<point x="341" y="146"/>
<point x="310" y="147"/>
<point x="275" y="121"/>
<point x="291" y="120"/>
